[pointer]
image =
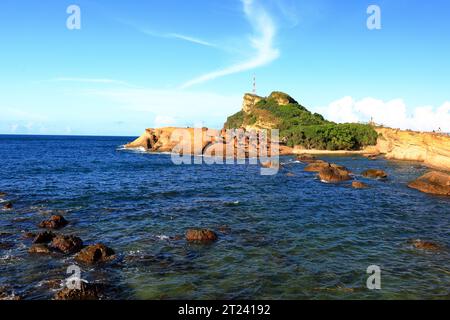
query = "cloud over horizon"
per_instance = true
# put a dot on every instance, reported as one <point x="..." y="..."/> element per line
<point x="393" y="113"/>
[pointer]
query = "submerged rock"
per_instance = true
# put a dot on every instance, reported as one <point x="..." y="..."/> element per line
<point x="426" y="245"/>
<point x="200" y="235"/>
<point x="306" y="158"/>
<point x="87" y="291"/>
<point x="433" y="182"/>
<point x="44" y="237"/>
<point x="28" y="235"/>
<point x="333" y="174"/>
<point x="3" y="194"/>
<point x="55" y="222"/>
<point x="39" y="249"/>
<point x="290" y="174"/>
<point x="359" y="185"/>
<point x="95" y="254"/>
<point x="375" y="174"/>
<point x="66" y="244"/>
<point x="6" y="245"/>
<point x="8" y="206"/>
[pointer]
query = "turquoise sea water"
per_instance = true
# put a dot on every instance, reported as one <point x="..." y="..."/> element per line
<point x="285" y="237"/>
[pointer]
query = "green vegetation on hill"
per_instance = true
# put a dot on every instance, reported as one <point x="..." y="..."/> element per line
<point x="298" y="126"/>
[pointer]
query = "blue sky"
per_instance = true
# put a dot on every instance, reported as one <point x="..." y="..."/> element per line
<point x="137" y="64"/>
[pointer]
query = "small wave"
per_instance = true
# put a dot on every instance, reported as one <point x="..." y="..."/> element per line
<point x="232" y="203"/>
<point x="163" y="237"/>
<point x="137" y="149"/>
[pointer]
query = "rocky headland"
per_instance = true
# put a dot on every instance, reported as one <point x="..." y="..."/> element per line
<point x="303" y="133"/>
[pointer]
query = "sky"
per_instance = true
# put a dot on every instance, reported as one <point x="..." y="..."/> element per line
<point x="137" y="64"/>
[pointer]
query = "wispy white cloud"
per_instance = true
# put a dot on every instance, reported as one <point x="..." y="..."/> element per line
<point x="262" y="41"/>
<point x="189" y="39"/>
<point x="392" y="113"/>
<point x="173" y="35"/>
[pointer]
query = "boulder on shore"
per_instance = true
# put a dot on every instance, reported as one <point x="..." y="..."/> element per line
<point x="66" y="244"/>
<point x="97" y="253"/>
<point x="375" y="174"/>
<point x="87" y="291"/>
<point x="333" y="174"/>
<point x="433" y="182"/>
<point x="55" y="222"/>
<point x="200" y="235"/>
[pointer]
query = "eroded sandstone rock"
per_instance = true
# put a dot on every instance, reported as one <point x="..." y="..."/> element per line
<point x="433" y="182"/>
<point x="44" y="237"/>
<point x="87" y="291"/>
<point x="39" y="249"/>
<point x="66" y="244"/>
<point x="426" y="245"/>
<point x="359" y="185"/>
<point x="97" y="253"/>
<point x="55" y="222"/>
<point x="333" y="174"/>
<point x="200" y="235"/>
<point x="375" y="174"/>
<point x="307" y="158"/>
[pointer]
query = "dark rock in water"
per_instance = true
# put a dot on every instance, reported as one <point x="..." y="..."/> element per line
<point x="28" y="235"/>
<point x="224" y="229"/>
<point x="66" y="244"/>
<point x="55" y="222"/>
<point x="3" y="194"/>
<point x="95" y="254"/>
<point x="433" y="183"/>
<point x="200" y="235"/>
<point x="333" y="174"/>
<point x="375" y="174"/>
<point x="87" y="291"/>
<point x="290" y="174"/>
<point x="6" y="245"/>
<point x="306" y="158"/>
<point x="359" y="185"/>
<point x="426" y="245"/>
<point x="44" y="237"/>
<point x="8" y="206"/>
<point x="176" y="237"/>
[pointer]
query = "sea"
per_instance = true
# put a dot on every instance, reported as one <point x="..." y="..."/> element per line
<point x="283" y="236"/>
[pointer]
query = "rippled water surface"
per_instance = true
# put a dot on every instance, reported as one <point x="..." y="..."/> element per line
<point x="280" y="237"/>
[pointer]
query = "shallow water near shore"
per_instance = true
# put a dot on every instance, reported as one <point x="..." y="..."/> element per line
<point x="280" y="237"/>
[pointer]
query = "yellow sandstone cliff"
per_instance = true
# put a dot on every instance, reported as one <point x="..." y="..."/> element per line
<point x="430" y="148"/>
